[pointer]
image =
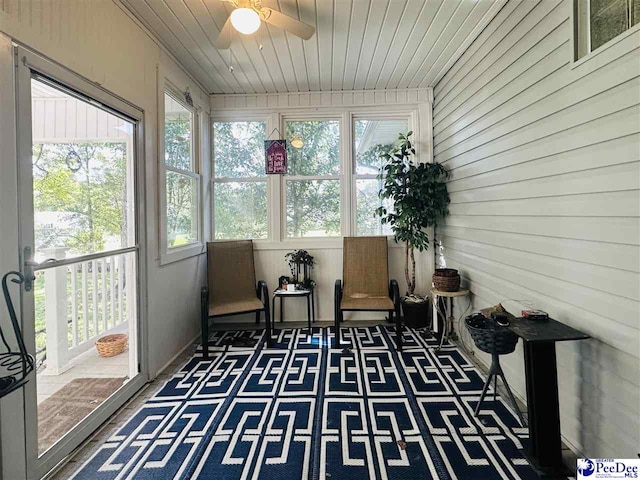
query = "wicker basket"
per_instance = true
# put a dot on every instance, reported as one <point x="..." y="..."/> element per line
<point x="112" y="345"/>
<point x="445" y="272"/>
<point x="446" y="279"/>
<point x="489" y="337"/>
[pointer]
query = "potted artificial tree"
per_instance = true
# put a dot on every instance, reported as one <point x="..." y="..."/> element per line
<point x="418" y="194"/>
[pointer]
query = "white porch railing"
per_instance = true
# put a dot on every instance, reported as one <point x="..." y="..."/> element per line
<point x="83" y="302"/>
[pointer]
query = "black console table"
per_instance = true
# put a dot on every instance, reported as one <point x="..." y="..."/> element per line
<point x="540" y="337"/>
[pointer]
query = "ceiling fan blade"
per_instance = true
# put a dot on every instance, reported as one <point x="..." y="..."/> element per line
<point x="224" y="38"/>
<point x="290" y="24"/>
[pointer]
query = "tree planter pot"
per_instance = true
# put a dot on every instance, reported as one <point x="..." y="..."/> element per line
<point x="416" y="315"/>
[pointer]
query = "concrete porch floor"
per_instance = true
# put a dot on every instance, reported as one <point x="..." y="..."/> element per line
<point x="86" y="365"/>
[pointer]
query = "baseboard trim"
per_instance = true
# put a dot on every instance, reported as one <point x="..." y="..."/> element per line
<point x="172" y="359"/>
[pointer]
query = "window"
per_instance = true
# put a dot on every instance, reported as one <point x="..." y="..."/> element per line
<point x="599" y="21"/>
<point x="239" y="181"/>
<point x="371" y="138"/>
<point x="182" y="179"/>
<point x="330" y="190"/>
<point x="312" y="186"/>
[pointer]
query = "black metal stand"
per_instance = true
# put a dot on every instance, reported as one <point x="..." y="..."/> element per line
<point x="545" y="446"/>
<point x="14" y="366"/>
<point x="545" y="450"/>
<point x="495" y="371"/>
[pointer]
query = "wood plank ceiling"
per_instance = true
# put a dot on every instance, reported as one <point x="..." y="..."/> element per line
<point x="358" y="45"/>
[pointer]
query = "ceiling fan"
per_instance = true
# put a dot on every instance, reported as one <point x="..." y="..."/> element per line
<point x="249" y="14"/>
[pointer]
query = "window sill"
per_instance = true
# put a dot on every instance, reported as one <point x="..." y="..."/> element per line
<point x="606" y="47"/>
<point x="182" y="253"/>
<point x="289" y="244"/>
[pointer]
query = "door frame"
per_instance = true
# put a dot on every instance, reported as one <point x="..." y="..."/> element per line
<point x="26" y="62"/>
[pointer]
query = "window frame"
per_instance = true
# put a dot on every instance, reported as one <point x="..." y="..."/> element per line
<point x="418" y="112"/>
<point x="581" y="33"/>
<point x="355" y="116"/>
<point x="340" y="178"/>
<point x="173" y="254"/>
<point x="239" y="117"/>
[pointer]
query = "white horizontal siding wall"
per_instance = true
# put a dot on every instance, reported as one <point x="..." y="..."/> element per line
<point x="544" y="157"/>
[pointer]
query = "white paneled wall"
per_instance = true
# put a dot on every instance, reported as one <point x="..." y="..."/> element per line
<point x="544" y="156"/>
<point x="270" y="264"/>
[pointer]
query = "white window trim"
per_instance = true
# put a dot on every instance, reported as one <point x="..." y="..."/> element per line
<point x="175" y="254"/>
<point x="576" y="32"/>
<point x="419" y="114"/>
<point x="266" y="178"/>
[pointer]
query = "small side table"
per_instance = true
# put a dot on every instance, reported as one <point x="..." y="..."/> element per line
<point x="541" y="372"/>
<point x="448" y="311"/>
<point x="282" y="294"/>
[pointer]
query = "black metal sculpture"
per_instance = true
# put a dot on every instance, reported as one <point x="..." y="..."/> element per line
<point x="14" y="366"/>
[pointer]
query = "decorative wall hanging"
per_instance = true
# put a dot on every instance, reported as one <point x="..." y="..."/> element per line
<point x="275" y="156"/>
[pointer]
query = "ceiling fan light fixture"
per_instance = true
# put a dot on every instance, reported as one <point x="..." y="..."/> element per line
<point x="245" y="20"/>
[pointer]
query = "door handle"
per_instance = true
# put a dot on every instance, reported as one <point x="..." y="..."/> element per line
<point x="29" y="268"/>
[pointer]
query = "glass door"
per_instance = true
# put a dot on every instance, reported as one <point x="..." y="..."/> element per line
<point x="79" y="243"/>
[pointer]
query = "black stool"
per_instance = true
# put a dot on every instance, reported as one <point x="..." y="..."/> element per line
<point x="496" y="340"/>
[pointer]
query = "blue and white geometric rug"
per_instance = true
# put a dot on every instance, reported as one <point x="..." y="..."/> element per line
<point x="303" y="410"/>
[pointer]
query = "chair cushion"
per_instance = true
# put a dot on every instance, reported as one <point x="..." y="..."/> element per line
<point x="235" y="306"/>
<point x="366" y="303"/>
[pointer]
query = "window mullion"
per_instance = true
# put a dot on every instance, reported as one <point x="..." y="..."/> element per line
<point x="347" y="200"/>
<point x="180" y="171"/>
<point x="240" y="179"/>
<point x="274" y="186"/>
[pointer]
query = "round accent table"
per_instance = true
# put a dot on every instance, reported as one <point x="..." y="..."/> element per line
<point x="448" y="311"/>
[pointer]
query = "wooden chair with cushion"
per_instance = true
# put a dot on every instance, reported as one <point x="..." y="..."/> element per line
<point x="232" y="287"/>
<point x="366" y="285"/>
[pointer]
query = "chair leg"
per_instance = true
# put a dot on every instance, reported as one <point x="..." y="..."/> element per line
<point x="205" y="337"/>
<point x="204" y="323"/>
<point x="267" y="321"/>
<point x="337" y="328"/>
<point x="399" y="332"/>
<point x="257" y="316"/>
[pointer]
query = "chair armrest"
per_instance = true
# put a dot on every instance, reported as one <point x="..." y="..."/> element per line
<point x="262" y="291"/>
<point x="394" y="291"/>
<point x="337" y="295"/>
<point x="204" y="303"/>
